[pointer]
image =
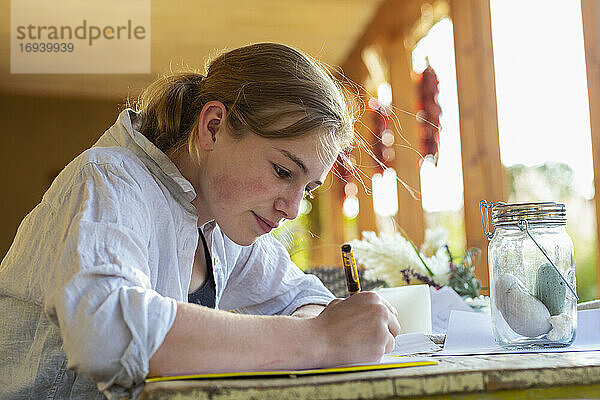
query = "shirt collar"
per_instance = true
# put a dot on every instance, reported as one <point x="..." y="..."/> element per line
<point x="124" y="133"/>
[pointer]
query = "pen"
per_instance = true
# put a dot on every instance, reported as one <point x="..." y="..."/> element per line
<point x="350" y="269"/>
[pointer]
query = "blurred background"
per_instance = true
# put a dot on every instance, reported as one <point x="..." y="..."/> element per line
<point x="505" y="81"/>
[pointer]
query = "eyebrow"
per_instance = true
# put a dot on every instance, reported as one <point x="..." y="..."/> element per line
<point x="298" y="161"/>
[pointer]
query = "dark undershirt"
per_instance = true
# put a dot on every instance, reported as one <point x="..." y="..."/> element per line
<point x="205" y="296"/>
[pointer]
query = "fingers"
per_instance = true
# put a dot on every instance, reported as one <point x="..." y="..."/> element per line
<point x="362" y="315"/>
<point x="394" y="326"/>
<point x="388" y="305"/>
<point x="376" y="298"/>
<point x="373" y="298"/>
<point x="387" y="312"/>
<point x="390" y="344"/>
<point x="391" y="317"/>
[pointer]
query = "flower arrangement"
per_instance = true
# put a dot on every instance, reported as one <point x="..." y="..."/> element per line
<point x="394" y="259"/>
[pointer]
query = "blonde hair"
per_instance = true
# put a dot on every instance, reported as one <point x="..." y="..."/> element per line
<point x="259" y="85"/>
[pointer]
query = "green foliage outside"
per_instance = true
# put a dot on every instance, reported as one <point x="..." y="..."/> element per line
<point x="554" y="182"/>
<point x="454" y="223"/>
<point x="295" y="236"/>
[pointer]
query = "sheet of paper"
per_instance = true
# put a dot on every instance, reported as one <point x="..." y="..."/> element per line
<point x="390" y="358"/>
<point x="471" y="333"/>
<point x="443" y="302"/>
<point x="413" y="343"/>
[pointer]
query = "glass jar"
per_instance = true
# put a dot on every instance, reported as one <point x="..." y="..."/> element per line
<point x="533" y="298"/>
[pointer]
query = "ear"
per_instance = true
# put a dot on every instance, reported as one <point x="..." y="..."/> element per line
<point x="210" y="123"/>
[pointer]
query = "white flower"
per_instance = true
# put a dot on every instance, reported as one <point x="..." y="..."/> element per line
<point x="434" y="239"/>
<point x="439" y="264"/>
<point x="386" y="256"/>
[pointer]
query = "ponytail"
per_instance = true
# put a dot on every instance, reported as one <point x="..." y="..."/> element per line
<point x="170" y="107"/>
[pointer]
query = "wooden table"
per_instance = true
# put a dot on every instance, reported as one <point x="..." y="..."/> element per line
<point x="548" y="375"/>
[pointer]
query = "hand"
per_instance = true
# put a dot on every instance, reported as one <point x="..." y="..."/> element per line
<point x="361" y="328"/>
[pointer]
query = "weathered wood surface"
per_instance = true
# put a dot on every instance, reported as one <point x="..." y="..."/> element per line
<point x="500" y="376"/>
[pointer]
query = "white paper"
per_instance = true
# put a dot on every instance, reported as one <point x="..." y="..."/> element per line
<point x="389" y="359"/>
<point x="471" y="333"/>
<point x="413" y="343"/>
<point x="443" y="301"/>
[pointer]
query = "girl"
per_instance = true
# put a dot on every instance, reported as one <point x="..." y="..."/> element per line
<point x="123" y="270"/>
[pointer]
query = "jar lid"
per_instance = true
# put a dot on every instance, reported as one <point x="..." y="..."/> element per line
<point x="534" y="213"/>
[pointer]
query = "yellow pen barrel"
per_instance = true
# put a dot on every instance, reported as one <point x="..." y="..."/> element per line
<point x="350" y="269"/>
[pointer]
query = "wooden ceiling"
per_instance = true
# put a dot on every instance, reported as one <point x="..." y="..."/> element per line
<point x="187" y="31"/>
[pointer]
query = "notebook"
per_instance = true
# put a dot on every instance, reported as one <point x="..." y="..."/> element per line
<point x="387" y="362"/>
<point x="405" y="344"/>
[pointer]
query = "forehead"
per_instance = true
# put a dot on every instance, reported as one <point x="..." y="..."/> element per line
<point x="311" y="148"/>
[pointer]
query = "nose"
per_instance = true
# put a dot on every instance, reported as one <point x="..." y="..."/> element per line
<point x="289" y="203"/>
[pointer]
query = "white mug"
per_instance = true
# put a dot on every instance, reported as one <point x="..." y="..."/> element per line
<point x="413" y="303"/>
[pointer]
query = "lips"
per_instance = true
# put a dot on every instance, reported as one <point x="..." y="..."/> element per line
<point x="265" y="224"/>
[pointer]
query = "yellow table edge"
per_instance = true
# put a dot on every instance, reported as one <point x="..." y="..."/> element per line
<point x="317" y="371"/>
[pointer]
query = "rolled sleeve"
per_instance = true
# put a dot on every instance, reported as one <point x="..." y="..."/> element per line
<point x="110" y="318"/>
<point x="265" y="281"/>
<point x="113" y="330"/>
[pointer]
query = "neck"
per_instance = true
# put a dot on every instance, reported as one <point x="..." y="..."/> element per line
<point x="192" y="171"/>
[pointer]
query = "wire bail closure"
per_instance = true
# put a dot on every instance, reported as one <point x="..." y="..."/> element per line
<point x="485" y="221"/>
<point x="524" y="226"/>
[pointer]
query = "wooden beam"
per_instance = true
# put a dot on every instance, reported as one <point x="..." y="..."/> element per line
<point x="406" y="162"/>
<point x="393" y="18"/>
<point x="590" y="10"/>
<point x="366" y="217"/>
<point x="483" y="173"/>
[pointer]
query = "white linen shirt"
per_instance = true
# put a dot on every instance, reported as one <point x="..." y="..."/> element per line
<point x="89" y="287"/>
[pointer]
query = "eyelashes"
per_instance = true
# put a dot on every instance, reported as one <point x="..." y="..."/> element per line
<point x="281" y="172"/>
<point x="285" y="174"/>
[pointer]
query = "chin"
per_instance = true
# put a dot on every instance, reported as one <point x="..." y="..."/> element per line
<point x="242" y="240"/>
<point x="246" y="242"/>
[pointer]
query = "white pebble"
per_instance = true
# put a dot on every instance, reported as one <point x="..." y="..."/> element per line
<point x="524" y="313"/>
<point x="561" y="327"/>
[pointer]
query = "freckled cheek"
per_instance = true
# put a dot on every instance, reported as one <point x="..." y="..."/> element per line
<point x="231" y="190"/>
